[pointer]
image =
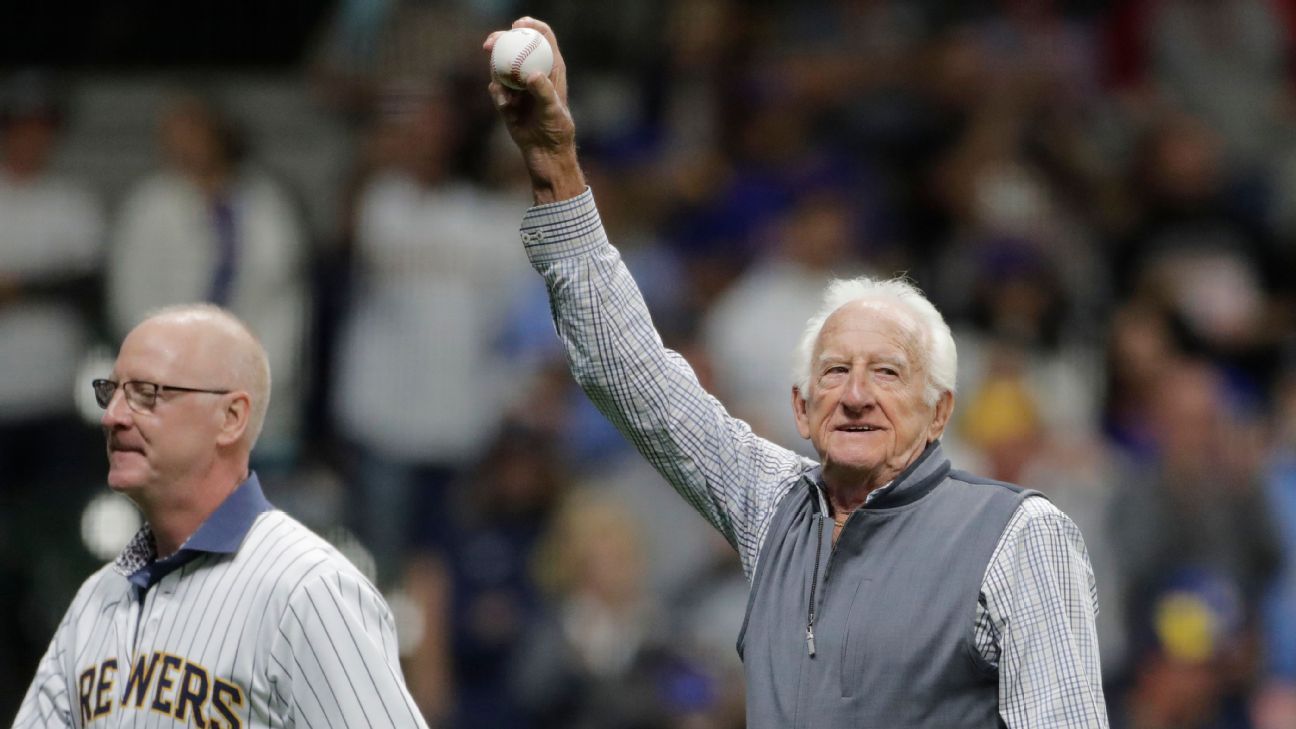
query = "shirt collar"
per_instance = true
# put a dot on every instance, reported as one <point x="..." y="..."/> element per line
<point x="224" y="530"/>
<point x="221" y="533"/>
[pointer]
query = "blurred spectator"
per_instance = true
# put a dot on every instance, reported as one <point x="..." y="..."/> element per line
<point x="1198" y="504"/>
<point x="1282" y="207"/>
<point x="1277" y="707"/>
<point x="1193" y="655"/>
<point x="1019" y="317"/>
<point x="1227" y="61"/>
<point x="1008" y="210"/>
<point x="773" y="158"/>
<point x="707" y="612"/>
<point x="473" y="579"/>
<point x="867" y="46"/>
<point x="419" y="389"/>
<point x="1041" y="52"/>
<point x="598" y="659"/>
<point x="51" y="245"/>
<point x="1212" y="268"/>
<point x="210" y="226"/>
<point x="370" y="44"/>
<point x="1141" y="346"/>
<point x="751" y="328"/>
<point x="703" y="41"/>
<point x="51" y="248"/>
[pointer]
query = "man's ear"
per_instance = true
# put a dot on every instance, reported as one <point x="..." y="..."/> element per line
<point x="799" y="406"/>
<point x="235" y="418"/>
<point x="941" y="418"/>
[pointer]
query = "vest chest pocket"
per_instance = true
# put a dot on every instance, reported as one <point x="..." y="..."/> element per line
<point x="856" y="645"/>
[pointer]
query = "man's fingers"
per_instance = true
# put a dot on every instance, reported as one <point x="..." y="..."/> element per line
<point x="526" y="21"/>
<point x="499" y="97"/>
<point x="559" y="73"/>
<point x="505" y="98"/>
<point x="489" y="44"/>
<point x="542" y="88"/>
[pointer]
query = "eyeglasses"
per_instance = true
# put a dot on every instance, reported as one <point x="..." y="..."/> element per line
<point x="140" y="396"/>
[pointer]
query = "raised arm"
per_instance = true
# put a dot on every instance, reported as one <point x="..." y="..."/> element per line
<point x="731" y="476"/>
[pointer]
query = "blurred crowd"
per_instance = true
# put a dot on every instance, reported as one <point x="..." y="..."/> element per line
<point x="1101" y="198"/>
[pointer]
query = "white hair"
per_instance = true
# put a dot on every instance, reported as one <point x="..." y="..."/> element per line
<point x="936" y="343"/>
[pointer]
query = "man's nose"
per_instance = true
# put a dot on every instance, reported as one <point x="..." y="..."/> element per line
<point x="859" y="392"/>
<point x="118" y="412"/>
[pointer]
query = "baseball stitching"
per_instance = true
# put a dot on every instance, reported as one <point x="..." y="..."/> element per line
<point x="521" y="57"/>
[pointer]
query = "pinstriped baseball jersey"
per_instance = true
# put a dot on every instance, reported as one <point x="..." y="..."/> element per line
<point x="255" y="622"/>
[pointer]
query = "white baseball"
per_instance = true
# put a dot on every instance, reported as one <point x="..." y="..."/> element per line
<point x="518" y="53"/>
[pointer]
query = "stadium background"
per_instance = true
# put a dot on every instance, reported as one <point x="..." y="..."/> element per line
<point x="1100" y="196"/>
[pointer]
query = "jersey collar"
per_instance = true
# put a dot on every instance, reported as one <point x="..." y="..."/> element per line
<point x="224" y="530"/>
<point x="221" y="533"/>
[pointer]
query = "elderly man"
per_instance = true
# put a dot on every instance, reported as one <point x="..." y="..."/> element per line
<point x="223" y="611"/>
<point x="887" y="589"/>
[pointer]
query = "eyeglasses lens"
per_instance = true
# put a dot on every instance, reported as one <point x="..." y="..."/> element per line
<point x="140" y="396"/>
<point x="103" y="390"/>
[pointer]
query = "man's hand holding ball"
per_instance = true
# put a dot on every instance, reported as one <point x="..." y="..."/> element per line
<point x="529" y="89"/>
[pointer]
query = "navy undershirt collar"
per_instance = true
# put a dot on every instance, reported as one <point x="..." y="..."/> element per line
<point x="221" y="533"/>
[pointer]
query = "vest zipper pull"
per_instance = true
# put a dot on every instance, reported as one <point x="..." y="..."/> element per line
<point x="814" y="583"/>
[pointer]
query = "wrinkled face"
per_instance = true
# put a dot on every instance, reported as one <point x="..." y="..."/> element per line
<point x="178" y="438"/>
<point x="865" y="411"/>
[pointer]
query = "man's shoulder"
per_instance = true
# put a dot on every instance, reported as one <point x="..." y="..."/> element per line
<point x="981" y="482"/>
<point x="285" y="555"/>
<point x="1033" y="503"/>
<point x="105" y="586"/>
<point x="1038" y="507"/>
<point x="99" y="592"/>
<point x="1035" y="519"/>
<point x="1032" y="510"/>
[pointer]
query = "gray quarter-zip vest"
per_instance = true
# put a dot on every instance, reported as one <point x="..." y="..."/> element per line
<point x="887" y="643"/>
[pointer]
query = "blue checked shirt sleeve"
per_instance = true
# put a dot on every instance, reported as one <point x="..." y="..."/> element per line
<point x="1036" y="623"/>
<point x="733" y="477"/>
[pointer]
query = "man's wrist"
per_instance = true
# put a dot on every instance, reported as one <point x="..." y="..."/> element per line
<point x="554" y="176"/>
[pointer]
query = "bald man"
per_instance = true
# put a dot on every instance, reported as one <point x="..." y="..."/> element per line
<point x="222" y="611"/>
